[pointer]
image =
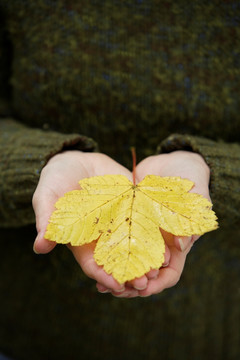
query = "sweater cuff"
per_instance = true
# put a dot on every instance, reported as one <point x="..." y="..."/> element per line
<point x="24" y="152"/>
<point x="223" y="160"/>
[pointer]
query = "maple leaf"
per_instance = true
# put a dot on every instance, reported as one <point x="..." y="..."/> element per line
<point x="125" y="219"/>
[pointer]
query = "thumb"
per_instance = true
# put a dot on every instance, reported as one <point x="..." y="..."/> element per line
<point x="43" y="205"/>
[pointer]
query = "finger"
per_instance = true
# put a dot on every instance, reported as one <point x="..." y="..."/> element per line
<point x="84" y="256"/>
<point x="168" y="237"/>
<point x="167" y="256"/>
<point x="139" y="283"/>
<point x="102" y="289"/>
<point x="168" y="276"/>
<point x="129" y="292"/>
<point x="152" y="274"/>
<point x="43" y="205"/>
<point x="42" y="245"/>
<point x="182" y="242"/>
<point x="166" y="279"/>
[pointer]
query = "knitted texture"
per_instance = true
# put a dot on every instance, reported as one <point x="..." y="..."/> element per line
<point x="5" y="55"/>
<point x="131" y="72"/>
<point x="24" y="152"/>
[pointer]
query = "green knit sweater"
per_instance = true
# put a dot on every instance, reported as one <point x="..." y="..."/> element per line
<point x="159" y="75"/>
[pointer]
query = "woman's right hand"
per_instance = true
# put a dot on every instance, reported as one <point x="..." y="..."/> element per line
<point x="60" y="175"/>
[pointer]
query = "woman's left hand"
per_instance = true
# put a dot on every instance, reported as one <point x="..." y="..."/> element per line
<point x="186" y="165"/>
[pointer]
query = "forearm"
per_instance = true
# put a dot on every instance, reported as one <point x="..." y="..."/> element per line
<point x="24" y="152"/>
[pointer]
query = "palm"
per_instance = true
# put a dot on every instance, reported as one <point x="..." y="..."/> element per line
<point x="63" y="173"/>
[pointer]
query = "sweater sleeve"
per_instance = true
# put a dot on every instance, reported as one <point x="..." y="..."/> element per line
<point x="24" y="151"/>
<point x="224" y="162"/>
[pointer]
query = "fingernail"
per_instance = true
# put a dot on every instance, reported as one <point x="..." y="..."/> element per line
<point x="119" y="295"/>
<point x="104" y="291"/>
<point x="34" y="249"/>
<point x="120" y="290"/>
<point x="34" y="244"/>
<point x="184" y="243"/>
<point x="140" y="288"/>
<point x="181" y="244"/>
<point x="165" y="265"/>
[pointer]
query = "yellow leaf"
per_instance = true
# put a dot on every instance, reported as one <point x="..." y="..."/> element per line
<point x="126" y="220"/>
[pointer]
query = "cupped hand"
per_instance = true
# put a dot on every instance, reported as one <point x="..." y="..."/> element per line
<point x="63" y="172"/>
<point x="190" y="166"/>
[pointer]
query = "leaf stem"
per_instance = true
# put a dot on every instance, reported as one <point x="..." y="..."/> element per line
<point x="134" y="164"/>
